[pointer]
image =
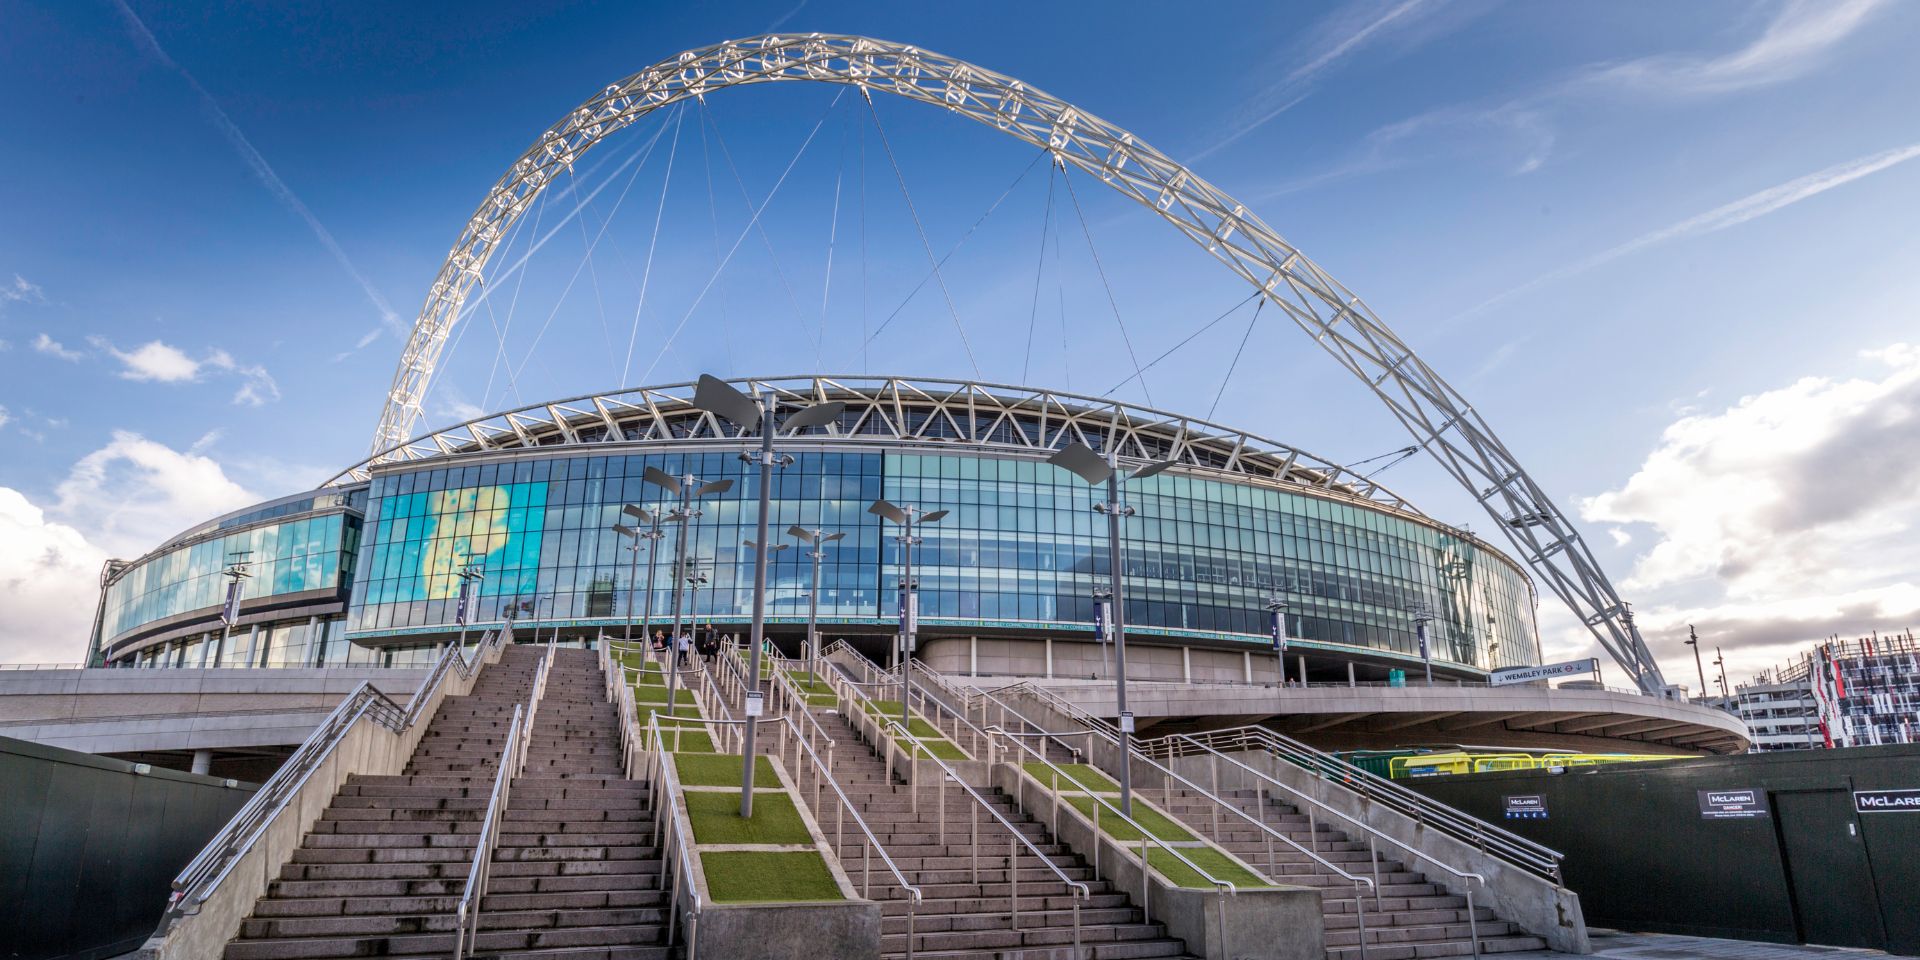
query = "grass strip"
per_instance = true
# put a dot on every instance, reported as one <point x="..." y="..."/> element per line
<point x="716" y="819"/>
<point x="1209" y="859"/>
<point x="1157" y="823"/>
<point x="687" y="740"/>
<point x="721" y="770"/>
<point x="747" y="876"/>
<point x="650" y="694"/>
<point x="1094" y="781"/>
<point x="943" y="749"/>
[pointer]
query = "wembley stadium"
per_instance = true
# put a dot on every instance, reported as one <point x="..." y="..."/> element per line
<point x="369" y="567"/>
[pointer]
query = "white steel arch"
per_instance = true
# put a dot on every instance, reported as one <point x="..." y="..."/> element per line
<point x="1441" y="420"/>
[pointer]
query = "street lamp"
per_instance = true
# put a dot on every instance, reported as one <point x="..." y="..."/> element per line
<point x="818" y="540"/>
<point x="1422" y="616"/>
<point x="634" y="536"/>
<point x="235" y="573"/>
<point x="1082" y="461"/>
<point x="717" y="397"/>
<point x="688" y="488"/>
<point x="906" y="517"/>
<point x="695" y="580"/>
<point x="1693" y="640"/>
<point x="1277" y="626"/>
<point x="468" y="577"/>
<point x="772" y="548"/>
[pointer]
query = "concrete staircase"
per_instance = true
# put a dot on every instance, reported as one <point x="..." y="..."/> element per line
<point x="962" y="918"/>
<point x="1413" y="918"/>
<point x="575" y="874"/>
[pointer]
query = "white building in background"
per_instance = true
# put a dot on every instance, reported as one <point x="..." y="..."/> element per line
<point x="1843" y="693"/>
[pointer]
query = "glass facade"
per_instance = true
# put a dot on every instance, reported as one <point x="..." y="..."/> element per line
<point x="311" y="553"/>
<point x="1022" y="546"/>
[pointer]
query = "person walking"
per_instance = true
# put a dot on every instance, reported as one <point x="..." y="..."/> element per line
<point x="685" y="648"/>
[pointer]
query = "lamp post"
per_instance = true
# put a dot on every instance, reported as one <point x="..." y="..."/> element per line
<point x="695" y="580"/>
<point x="235" y="573"/>
<point x="717" y="397"/>
<point x="1720" y="662"/>
<point x="1421" y="617"/>
<point x="468" y="577"/>
<point x="818" y="540"/>
<point x="634" y="536"/>
<point x="906" y="517"/>
<point x="688" y="488"/>
<point x="772" y="549"/>
<point x="1082" y="461"/>
<point x="1277" y="626"/>
<point x="1693" y="640"/>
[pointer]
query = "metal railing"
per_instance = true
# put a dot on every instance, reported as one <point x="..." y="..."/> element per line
<point x="513" y="760"/>
<point x="1526" y="854"/>
<point x="850" y="693"/>
<point x="203" y="875"/>
<point x="675" y="841"/>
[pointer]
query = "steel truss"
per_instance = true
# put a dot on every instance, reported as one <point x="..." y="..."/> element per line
<point x="1441" y="420"/>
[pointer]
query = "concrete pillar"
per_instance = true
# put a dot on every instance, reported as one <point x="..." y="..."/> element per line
<point x="1186" y="664"/>
<point x="202" y="761"/>
<point x="973" y="658"/>
<point x="1303" y="671"/>
<point x="315" y="648"/>
<point x="1350" y="681"/>
<point x="1049" y="645"/>
<point x="1246" y="664"/>
<point x="253" y="647"/>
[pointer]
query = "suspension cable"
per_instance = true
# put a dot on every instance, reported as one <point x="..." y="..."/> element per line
<point x="713" y="225"/>
<point x="930" y="274"/>
<point x="793" y="301"/>
<point x="1138" y="371"/>
<point x="1189" y="339"/>
<point x="833" y="235"/>
<point x="646" y="276"/>
<point x="922" y="231"/>
<point x="1039" y="270"/>
<point x="1236" y="356"/>
<point x="688" y="315"/>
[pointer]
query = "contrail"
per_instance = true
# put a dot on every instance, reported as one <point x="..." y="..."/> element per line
<point x="258" y="164"/>
<point x="1750" y="207"/>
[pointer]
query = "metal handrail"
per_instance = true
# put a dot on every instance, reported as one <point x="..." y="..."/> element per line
<point x="1080" y="891"/>
<point x="795" y="701"/>
<point x="513" y="761"/>
<point x="209" y="868"/>
<point x="467" y="912"/>
<point x="677" y="846"/>
<point x="1488" y="838"/>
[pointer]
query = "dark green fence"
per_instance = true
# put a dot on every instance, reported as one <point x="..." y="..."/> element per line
<point x="88" y="847"/>
<point x="1756" y="847"/>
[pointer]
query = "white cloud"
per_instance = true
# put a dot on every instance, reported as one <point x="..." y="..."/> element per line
<point x="1793" y="43"/>
<point x="1750" y="207"/>
<point x="53" y="348"/>
<point x="154" y="361"/>
<point x="160" y="362"/>
<point x="5" y="417"/>
<point x="1783" y="519"/>
<point x="121" y="500"/>
<point x="21" y="291"/>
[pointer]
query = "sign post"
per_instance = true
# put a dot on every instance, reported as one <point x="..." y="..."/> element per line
<point x="1545" y="671"/>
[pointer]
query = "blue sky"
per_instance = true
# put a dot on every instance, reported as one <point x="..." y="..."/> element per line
<point x="1666" y="249"/>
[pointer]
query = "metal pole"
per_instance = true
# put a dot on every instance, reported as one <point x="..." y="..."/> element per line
<point x="679" y="577"/>
<point x="1693" y="640"/>
<point x="633" y="573"/>
<point x="813" y="613"/>
<point x="1114" y="566"/>
<point x="653" y="553"/>
<point x="907" y="618"/>
<point x="759" y="600"/>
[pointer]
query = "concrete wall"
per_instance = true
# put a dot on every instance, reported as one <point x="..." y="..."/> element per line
<point x="1029" y="657"/>
<point x="128" y="711"/>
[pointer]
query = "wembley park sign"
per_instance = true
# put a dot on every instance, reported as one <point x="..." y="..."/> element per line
<point x="1545" y="671"/>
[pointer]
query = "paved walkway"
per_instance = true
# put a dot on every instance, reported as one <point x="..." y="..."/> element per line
<point x="1661" y="946"/>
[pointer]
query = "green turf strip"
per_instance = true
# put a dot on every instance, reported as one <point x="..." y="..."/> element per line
<point x="808" y="683"/>
<point x="1156" y="822"/>
<point x="942" y="749"/>
<point x="773" y="877"/>
<point x="716" y="819"/>
<point x="687" y="741"/>
<point x="721" y="770"/>
<point x="1074" y="777"/>
<point x="649" y="694"/>
<point x="822" y="700"/>
<point x="1213" y="861"/>
<point x="645" y="710"/>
